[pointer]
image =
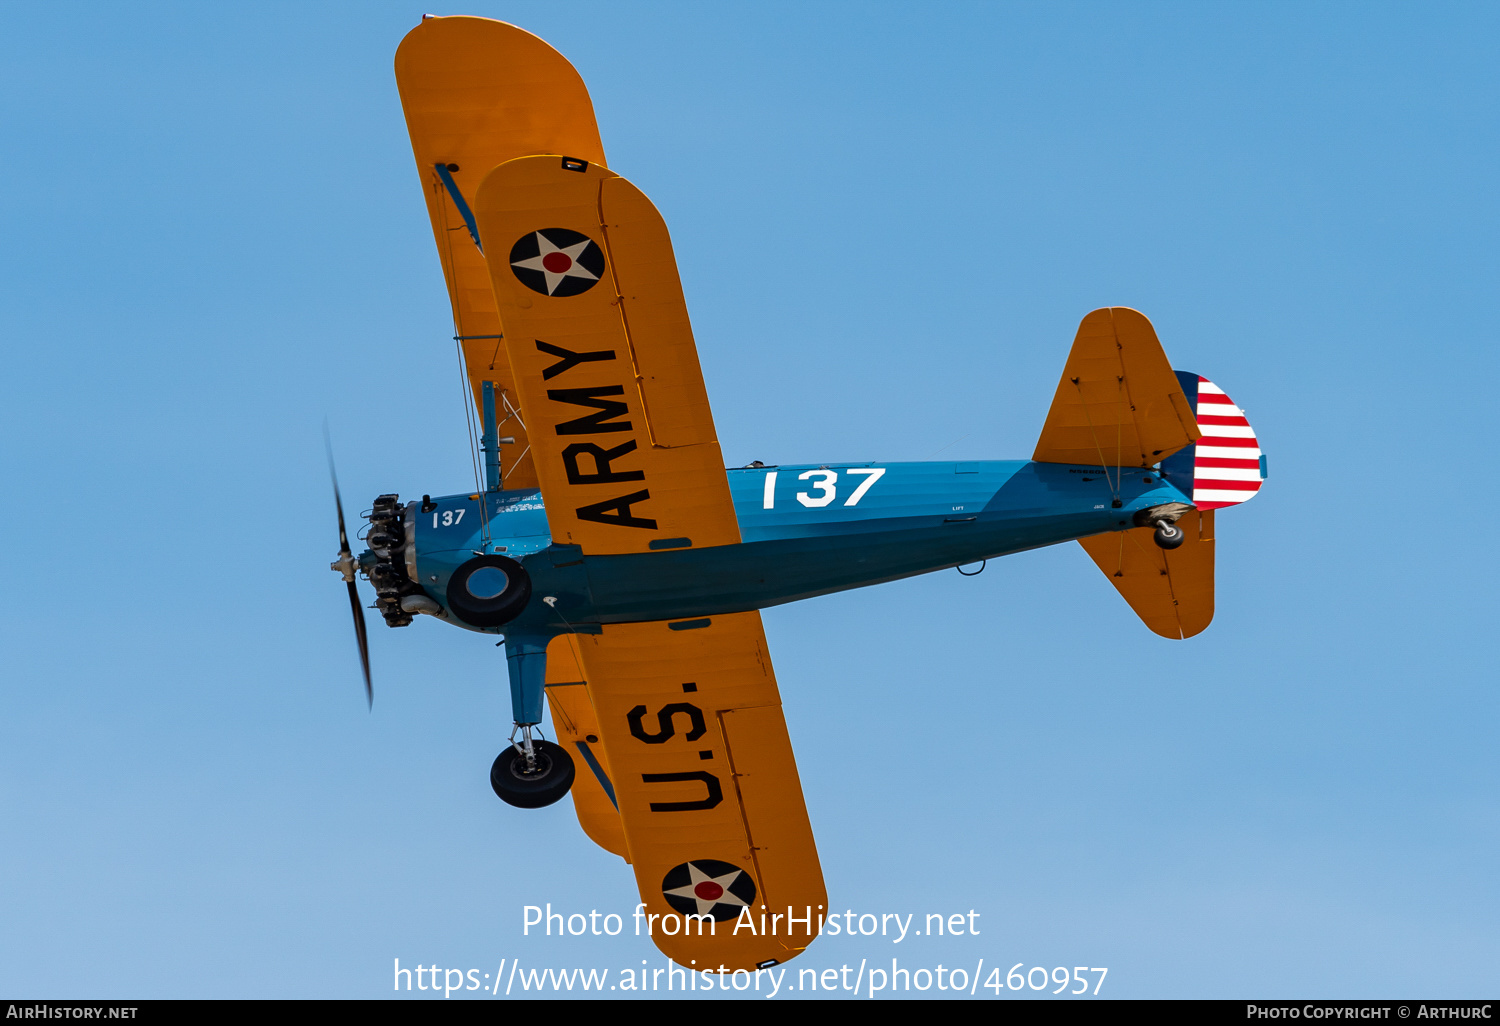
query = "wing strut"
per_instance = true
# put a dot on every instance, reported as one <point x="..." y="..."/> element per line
<point x="459" y="202"/>
<point x="489" y="441"/>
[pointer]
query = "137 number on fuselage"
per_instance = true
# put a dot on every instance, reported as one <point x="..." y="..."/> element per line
<point x="824" y="484"/>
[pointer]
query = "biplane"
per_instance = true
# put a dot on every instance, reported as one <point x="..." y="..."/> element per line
<point x="624" y="566"/>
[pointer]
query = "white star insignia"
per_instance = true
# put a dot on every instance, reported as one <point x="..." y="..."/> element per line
<point x="573" y="269"/>
<point x="696" y="876"/>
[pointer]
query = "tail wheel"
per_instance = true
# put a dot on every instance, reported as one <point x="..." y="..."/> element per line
<point x="1168" y="536"/>
<point x="532" y="785"/>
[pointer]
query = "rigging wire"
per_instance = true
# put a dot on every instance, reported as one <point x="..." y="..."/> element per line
<point x="516" y="414"/>
<point x="463" y="381"/>
<point x="474" y="447"/>
<point x="1114" y="492"/>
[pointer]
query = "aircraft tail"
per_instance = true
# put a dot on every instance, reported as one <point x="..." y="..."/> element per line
<point x="1172" y="590"/>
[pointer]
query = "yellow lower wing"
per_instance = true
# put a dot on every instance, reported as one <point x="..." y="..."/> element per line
<point x="709" y="799"/>
<point x="604" y="361"/>
<point x="694" y="747"/>
<point x="577" y="730"/>
<point x="1171" y="591"/>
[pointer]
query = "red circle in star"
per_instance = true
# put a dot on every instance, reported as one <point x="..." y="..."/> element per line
<point x="709" y="891"/>
<point x="557" y="263"/>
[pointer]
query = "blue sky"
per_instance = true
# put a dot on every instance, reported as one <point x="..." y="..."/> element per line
<point x="889" y="221"/>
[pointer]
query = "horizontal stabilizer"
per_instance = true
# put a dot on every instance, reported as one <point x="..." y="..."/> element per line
<point x="1118" y="404"/>
<point x="1171" y="591"/>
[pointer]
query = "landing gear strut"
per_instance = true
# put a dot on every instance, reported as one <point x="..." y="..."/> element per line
<point x="532" y="772"/>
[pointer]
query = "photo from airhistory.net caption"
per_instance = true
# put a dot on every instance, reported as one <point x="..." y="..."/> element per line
<point x="1102" y="1010"/>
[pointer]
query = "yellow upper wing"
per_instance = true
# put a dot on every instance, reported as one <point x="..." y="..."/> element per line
<point x="477" y="93"/>
<point x="709" y="798"/>
<point x="1118" y="403"/>
<point x="605" y="366"/>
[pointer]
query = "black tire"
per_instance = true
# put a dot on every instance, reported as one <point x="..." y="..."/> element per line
<point x="1169" y="536"/>
<point x="486" y="609"/>
<point x="553" y="777"/>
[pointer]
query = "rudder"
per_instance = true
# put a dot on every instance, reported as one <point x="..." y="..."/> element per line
<point x="1225" y="467"/>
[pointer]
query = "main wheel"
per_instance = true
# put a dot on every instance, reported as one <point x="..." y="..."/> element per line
<point x="1168" y="536"/>
<point x="551" y="779"/>
<point x="489" y="591"/>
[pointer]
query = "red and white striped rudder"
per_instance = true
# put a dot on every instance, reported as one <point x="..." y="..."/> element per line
<point x="1225" y="467"/>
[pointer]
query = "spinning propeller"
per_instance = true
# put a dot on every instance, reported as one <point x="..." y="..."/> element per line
<point x="346" y="565"/>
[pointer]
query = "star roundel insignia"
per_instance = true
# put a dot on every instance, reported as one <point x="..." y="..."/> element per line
<point x="708" y="887"/>
<point x="557" y="261"/>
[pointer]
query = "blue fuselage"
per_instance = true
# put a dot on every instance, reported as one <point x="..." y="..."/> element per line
<point x="806" y="530"/>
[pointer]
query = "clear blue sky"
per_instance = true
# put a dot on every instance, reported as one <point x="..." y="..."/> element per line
<point x="889" y="221"/>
